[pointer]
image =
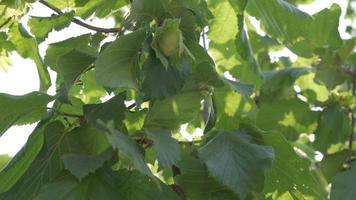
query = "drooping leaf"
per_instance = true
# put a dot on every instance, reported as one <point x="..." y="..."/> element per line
<point x="71" y="65"/>
<point x="171" y="112"/>
<point x="297" y="30"/>
<point x="196" y="182"/>
<point x="333" y="127"/>
<point x="289" y="172"/>
<point x="59" y="49"/>
<point x="47" y="165"/>
<point x="288" y="116"/>
<point x="231" y="108"/>
<point x="280" y="82"/>
<point x="160" y="82"/>
<point x="22" y="160"/>
<point x="107" y="185"/>
<point x="116" y="65"/>
<point x="167" y="148"/>
<point x="24" y="109"/>
<point x="244" y="163"/>
<point x="113" y="109"/>
<point x="81" y="165"/>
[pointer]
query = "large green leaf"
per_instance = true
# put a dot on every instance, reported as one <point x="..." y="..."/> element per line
<point x="81" y="165"/>
<point x="47" y="166"/>
<point x="167" y="148"/>
<point x="59" y="49"/>
<point x="343" y="185"/>
<point x="24" y="109"/>
<point x="195" y="180"/>
<point x="160" y="82"/>
<point x="92" y="139"/>
<point x="295" y="29"/>
<point x="22" y="161"/>
<point x="171" y="112"/>
<point x="231" y="108"/>
<point x="117" y="64"/>
<point x="279" y="83"/>
<point x="333" y="127"/>
<point x="113" y="109"/>
<point x="106" y="185"/>
<point x="288" y="116"/>
<point x="71" y="65"/>
<point x="236" y="162"/>
<point x="289" y="172"/>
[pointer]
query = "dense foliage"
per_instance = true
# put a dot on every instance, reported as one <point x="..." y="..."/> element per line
<point x="256" y="126"/>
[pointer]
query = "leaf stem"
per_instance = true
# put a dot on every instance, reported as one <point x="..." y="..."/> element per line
<point x="5" y="22"/>
<point x="82" y="23"/>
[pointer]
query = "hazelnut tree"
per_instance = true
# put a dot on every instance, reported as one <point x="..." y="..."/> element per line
<point x="199" y="108"/>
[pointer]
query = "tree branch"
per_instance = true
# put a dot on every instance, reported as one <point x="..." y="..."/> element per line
<point x="82" y="23"/>
<point x="5" y="22"/>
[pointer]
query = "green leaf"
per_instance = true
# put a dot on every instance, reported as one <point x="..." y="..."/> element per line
<point x="289" y="172"/>
<point x="297" y="30"/>
<point x="24" y="109"/>
<point x="171" y="112"/>
<point x="113" y="109"/>
<point x="47" y="165"/>
<point x="280" y="82"/>
<point x="231" y="108"/>
<point x="71" y="65"/>
<point x="251" y="73"/>
<point x="92" y="139"/>
<point x="107" y="185"/>
<point x="167" y="148"/>
<point x="81" y="165"/>
<point x="27" y="47"/>
<point x="288" y="116"/>
<point x="18" y="165"/>
<point x="196" y="182"/>
<point x="59" y="49"/>
<point x="144" y="11"/>
<point x="42" y="26"/>
<point x="126" y="146"/>
<point x="244" y="163"/>
<point x="101" y="8"/>
<point x="160" y="82"/>
<point x="343" y="185"/>
<point x="245" y="90"/>
<point x="332" y="164"/>
<point x="333" y="127"/>
<point x="329" y="71"/>
<point x="116" y="65"/>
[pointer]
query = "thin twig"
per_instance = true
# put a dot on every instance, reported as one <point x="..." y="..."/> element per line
<point x="82" y="23"/>
<point x="5" y="22"/>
